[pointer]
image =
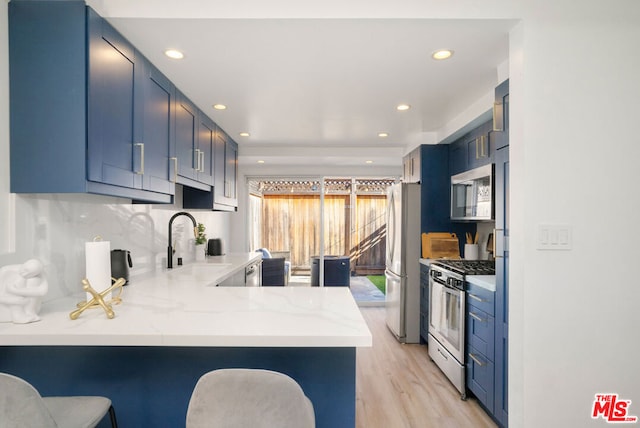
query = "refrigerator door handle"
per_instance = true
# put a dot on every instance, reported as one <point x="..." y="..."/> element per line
<point x="391" y="226"/>
<point x="395" y="304"/>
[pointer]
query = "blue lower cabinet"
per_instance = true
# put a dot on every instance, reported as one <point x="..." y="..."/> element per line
<point x="481" y="332"/>
<point x="424" y="301"/>
<point x="480" y="372"/>
<point x="481" y="345"/>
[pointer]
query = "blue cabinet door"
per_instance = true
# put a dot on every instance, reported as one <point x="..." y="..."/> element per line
<point x="479" y="148"/>
<point x="225" y="170"/>
<point x="231" y="172"/>
<point x="500" y="134"/>
<point x="154" y="134"/>
<point x="206" y="143"/>
<point x="195" y="134"/>
<point x="112" y="88"/>
<point x="458" y="156"/>
<point x="186" y="142"/>
<point x="502" y="285"/>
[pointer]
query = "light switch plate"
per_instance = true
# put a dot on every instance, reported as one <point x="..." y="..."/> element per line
<point x="554" y="237"/>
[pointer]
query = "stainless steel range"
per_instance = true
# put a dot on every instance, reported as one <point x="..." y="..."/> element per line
<point x="447" y="311"/>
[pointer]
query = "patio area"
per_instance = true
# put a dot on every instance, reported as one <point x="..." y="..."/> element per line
<point x="363" y="290"/>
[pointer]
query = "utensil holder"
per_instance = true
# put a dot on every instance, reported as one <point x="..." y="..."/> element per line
<point x="471" y="251"/>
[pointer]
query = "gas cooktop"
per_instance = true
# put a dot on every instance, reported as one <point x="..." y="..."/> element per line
<point x="469" y="267"/>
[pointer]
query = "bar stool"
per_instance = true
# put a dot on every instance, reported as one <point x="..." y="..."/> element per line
<point x="249" y="398"/>
<point x="22" y="406"/>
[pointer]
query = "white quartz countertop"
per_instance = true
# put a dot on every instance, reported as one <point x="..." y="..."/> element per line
<point x="485" y="281"/>
<point x="183" y="307"/>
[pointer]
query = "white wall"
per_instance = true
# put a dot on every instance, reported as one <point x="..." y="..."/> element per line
<point x="54" y="228"/>
<point x="574" y="156"/>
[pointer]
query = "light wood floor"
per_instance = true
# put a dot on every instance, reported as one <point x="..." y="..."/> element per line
<point x="398" y="386"/>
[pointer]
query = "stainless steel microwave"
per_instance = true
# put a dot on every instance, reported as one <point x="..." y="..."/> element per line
<point x="472" y="194"/>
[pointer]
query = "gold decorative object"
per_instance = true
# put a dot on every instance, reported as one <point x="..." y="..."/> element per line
<point x="98" y="299"/>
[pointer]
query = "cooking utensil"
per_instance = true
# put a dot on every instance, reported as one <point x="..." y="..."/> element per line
<point x="489" y="247"/>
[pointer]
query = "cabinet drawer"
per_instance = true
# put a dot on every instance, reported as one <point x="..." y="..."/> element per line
<point x="480" y="377"/>
<point x="481" y="298"/>
<point x="480" y="332"/>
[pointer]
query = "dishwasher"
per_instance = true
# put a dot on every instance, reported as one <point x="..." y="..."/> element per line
<point x="252" y="275"/>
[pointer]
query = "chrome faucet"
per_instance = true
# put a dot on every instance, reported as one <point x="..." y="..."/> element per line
<point x="170" y="249"/>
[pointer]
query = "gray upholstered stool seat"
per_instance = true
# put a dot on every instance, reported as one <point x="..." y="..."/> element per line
<point x="22" y="406"/>
<point x="249" y="398"/>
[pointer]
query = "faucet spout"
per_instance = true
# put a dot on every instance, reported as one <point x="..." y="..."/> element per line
<point x="170" y="248"/>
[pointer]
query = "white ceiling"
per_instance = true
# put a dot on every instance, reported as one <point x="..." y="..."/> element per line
<point x="311" y="86"/>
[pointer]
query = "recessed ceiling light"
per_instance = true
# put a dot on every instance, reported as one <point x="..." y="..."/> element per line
<point x="244" y="134"/>
<point x="403" y="107"/>
<point x="174" y="54"/>
<point x="219" y="106"/>
<point x="442" y="54"/>
<point x="368" y="161"/>
<point x="383" y="135"/>
<point x="260" y="161"/>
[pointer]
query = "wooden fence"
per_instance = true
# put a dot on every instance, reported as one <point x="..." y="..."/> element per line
<point x="292" y="223"/>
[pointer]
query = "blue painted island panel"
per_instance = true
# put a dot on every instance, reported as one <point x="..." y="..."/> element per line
<point x="151" y="386"/>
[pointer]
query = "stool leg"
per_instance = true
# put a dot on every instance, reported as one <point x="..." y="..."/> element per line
<point x="112" y="417"/>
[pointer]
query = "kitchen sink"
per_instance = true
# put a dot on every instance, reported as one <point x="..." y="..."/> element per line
<point x="199" y="271"/>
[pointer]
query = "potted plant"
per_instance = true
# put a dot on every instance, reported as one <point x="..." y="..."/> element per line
<point x="201" y="240"/>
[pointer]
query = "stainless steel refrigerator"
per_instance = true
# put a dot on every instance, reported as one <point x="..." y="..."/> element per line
<point x="403" y="262"/>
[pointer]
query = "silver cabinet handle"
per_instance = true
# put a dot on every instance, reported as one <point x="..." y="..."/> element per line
<point x="483" y="151"/>
<point x="196" y="159"/>
<point x="201" y="161"/>
<point x="494" y="242"/>
<point x="141" y="147"/>
<point x="472" y="315"/>
<point x="477" y="361"/>
<point x="477" y="298"/>
<point x="477" y="156"/>
<point x="175" y="169"/>
<point x="498" y="124"/>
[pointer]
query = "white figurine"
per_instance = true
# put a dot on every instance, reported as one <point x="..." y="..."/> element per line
<point x="21" y="290"/>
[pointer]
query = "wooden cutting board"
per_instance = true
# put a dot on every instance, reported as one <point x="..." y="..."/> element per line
<point x="440" y="245"/>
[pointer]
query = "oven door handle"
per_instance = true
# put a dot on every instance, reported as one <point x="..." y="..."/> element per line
<point x="442" y="353"/>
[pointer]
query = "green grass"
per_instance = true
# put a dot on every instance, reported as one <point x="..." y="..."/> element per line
<point x="378" y="281"/>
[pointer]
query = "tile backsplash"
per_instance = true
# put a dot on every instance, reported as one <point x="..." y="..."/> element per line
<point x="54" y="228"/>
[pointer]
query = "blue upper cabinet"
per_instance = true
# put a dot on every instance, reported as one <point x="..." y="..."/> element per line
<point x="195" y="133"/>
<point x="186" y="139"/>
<point x="472" y="150"/>
<point x="224" y="196"/>
<point x="206" y="142"/>
<point x="154" y="143"/>
<point x="226" y="167"/>
<point x="88" y="113"/>
<point x="500" y="134"/>
<point x="112" y="89"/>
<point x="411" y="169"/>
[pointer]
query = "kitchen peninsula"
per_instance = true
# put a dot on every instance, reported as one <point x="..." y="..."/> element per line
<point x="175" y="325"/>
